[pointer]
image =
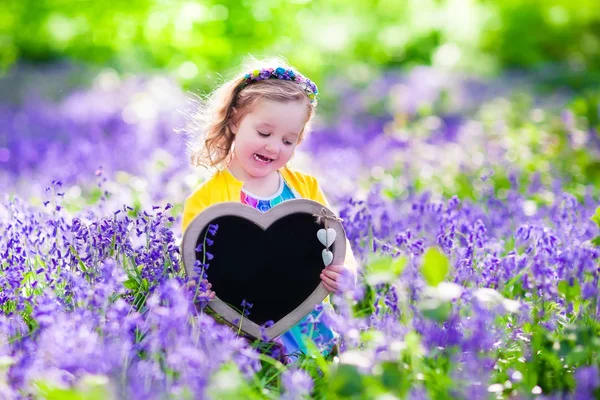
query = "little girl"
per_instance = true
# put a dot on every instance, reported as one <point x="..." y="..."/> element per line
<point x="250" y="128"/>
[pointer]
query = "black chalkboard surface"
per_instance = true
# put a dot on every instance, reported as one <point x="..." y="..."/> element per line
<point x="272" y="260"/>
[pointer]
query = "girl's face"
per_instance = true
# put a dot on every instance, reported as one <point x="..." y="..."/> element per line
<point x="266" y="137"/>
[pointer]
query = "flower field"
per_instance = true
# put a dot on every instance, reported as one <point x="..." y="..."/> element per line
<point x="472" y="206"/>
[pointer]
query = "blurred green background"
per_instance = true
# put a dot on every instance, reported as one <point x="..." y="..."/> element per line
<point x="402" y="73"/>
<point x="195" y="40"/>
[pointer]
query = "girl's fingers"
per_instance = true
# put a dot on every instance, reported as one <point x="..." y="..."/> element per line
<point x="335" y="268"/>
<point x="192" y="284"/>
<point x="344" y="278"/>
<point x="331" y="274"/>
<point x="329" y="288"/>
<point x="329" y="283"/>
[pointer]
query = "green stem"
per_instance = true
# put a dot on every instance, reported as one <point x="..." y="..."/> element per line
<point x="203" y="264"/>
<point x="241" y="320"/>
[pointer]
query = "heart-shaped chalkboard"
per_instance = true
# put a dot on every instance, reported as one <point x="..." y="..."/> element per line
<point x="272" y="260"/>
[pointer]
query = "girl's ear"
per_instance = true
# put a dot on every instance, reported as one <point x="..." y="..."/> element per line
<point x="232" y="127"/>
<point x="233" y="122"/>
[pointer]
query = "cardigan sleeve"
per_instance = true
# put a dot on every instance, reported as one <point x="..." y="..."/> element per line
<point x="193" y="206"/>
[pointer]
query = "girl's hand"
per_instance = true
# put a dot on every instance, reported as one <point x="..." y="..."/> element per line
<point x="338" y="278"/>
<point x="209" y="294"/>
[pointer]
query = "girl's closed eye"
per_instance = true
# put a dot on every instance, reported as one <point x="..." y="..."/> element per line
<point x="286" y="142"/>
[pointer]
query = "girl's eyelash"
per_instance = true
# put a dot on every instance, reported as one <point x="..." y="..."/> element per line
<point x="268" y="134"/>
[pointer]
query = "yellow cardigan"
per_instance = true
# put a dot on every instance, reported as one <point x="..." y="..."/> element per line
<point x="223" y="186"/>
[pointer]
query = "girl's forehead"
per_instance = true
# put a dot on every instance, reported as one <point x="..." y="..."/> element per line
<point x="290" y="115"/>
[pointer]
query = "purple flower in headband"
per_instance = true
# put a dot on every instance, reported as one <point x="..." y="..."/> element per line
<point x="266" y="73"/>
<point x="284" y="74"/>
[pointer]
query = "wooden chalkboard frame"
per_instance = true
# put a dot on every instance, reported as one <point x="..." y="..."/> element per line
<point x="263" y="220"/>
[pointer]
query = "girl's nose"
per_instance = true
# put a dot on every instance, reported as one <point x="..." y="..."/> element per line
<point x="271" y="149"/>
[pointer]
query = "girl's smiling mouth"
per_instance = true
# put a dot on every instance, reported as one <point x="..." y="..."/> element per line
<point x="262" y="159"/>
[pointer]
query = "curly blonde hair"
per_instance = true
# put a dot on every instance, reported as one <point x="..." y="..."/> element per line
<point x="211" y="138"/>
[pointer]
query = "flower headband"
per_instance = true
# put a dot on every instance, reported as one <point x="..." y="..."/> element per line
<point x="284" y="74"/>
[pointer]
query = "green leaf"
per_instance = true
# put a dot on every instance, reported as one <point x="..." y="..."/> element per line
<point x="380" y="263"/>
<point x="398" y="265"/>
<point x="577" y="355"/>
<point x="435" y="266"/>
<point x="80" y="263"/>
<point x="570" y="292"/>
<point x="346" y="381"/>
<point x="313" y="352"/>
<point x="131" y="284"/>
<point x="596" y="217"/>
<point x="393" y="378"/>
<point x="49" y="392"/>
<point x="89" y="387"/>
<point x="383" y="268"/>
<point x="228" y="383"/>
<point x="596" y="241"/>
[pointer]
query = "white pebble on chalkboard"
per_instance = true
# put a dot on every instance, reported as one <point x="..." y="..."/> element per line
<point x="326" y="237"/>
<point x="327" y="257"/>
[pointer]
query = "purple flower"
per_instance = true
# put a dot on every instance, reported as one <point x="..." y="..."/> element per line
<point x="587" y="381"/>
<point x="296" y="384"/>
